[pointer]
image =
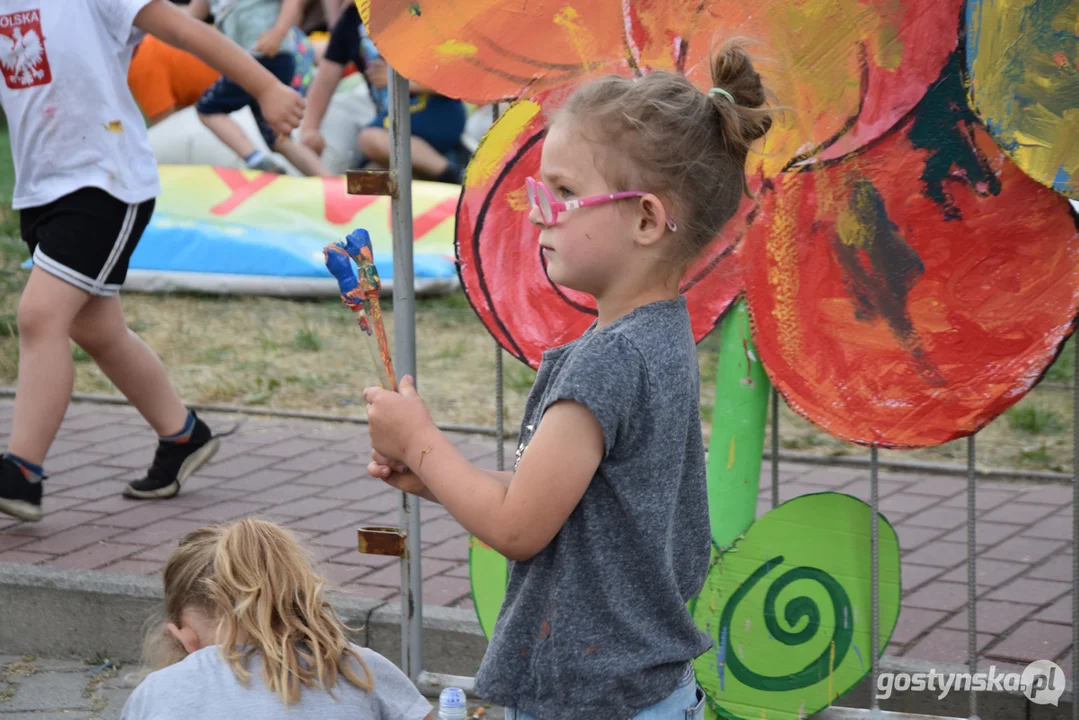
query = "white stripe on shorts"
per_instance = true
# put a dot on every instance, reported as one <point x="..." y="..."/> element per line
<point x="117" y="250"/>
<point x="71" y="277"/>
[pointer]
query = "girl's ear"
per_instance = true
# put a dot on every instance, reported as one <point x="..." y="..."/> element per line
<point x="651" y="220"/>
<point x="186" y="636"/>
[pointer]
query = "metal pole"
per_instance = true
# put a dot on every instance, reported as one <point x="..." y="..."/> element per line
<point x="404" y="347"/>
<point x="875" y="610"/>
<point x="775" y="448"/>
<point x="972" y="576"/>
<point x="1075" y="534"/>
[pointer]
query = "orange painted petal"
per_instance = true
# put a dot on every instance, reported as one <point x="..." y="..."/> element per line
<point x="908" y="295"/>
<point x="487" y="50"/>
<point x="500" y="263"/>
<point x="849" y="70"/>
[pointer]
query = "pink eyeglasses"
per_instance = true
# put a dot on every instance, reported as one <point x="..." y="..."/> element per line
<point x="540" y="197"/>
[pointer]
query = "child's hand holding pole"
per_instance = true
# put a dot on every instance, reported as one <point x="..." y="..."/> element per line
<point x="399" y="423"/>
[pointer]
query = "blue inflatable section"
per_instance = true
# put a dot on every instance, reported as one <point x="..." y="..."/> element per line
<point x="238" y="258"/>
<point x="192" y="246"/>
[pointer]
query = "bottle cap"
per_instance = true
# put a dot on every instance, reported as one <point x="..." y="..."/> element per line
<point x="451" y="698"/>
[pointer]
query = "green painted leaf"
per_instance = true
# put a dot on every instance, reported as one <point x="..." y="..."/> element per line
<point x="789" y="609"/>
<point x="488" y="573"/>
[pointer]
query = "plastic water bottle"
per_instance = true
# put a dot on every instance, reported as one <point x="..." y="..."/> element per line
<point x="380" y="96"/>
<point x="451" y="704"/>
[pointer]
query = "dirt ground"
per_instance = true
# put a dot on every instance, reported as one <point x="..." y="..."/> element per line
<point x="307" y="355"/>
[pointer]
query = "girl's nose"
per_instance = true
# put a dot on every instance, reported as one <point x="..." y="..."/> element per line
<point x="535" y="217"/>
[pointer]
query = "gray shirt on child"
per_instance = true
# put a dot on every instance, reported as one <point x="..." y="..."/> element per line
<point x="596" y="625"/>
<point x="244" y="21"/>
<point x="203" y="685"/>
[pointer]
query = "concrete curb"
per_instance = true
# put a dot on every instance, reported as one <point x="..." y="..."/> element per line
<point x="58" y="612"/>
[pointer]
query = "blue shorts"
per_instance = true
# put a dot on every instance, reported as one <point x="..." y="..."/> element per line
<point x="685" y="703"/>
<point x="225" y="96"/>
<point x="438" y="120"/>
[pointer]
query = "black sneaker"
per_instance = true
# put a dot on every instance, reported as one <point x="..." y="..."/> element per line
<point x="174" y="463"/>
<point x="18" y="496"/>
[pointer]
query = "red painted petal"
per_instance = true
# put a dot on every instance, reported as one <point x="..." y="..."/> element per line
<point x="907" y="296"/>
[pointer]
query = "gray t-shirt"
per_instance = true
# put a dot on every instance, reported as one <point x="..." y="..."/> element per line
<point x="204" y="686"/>
<point x="596" y="625"/>
<point x="244" y="21"/>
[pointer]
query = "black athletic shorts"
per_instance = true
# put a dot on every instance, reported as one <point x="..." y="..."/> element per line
<point x="86" y="238"/>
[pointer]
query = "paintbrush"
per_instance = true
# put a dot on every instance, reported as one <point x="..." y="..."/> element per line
<point x="359" y="292"/>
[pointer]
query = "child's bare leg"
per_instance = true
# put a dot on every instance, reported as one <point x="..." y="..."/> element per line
<point x="134" y="368"/>
<point x="46" y="371"/>
<point x="374" y="143"/>
<point x="302" y="157"/>
<point x="229" y="132"/>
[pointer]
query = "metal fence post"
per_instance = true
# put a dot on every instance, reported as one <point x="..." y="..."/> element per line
<point x="874" y="651"/>
<point x="972" y="576"/>
<point x="1075" y="531"/>
<point x="404" y="346"/>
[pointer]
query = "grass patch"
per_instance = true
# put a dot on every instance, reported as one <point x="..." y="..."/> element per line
<point x="218" y="354"/>
<point x="1036" y="458"/>
<point x="307" y="340"/>
<point x="1063" y="369"/>
<point x="1033" y="419"/>
<point x="79" y="355"/>
<point x="519" y="378"/>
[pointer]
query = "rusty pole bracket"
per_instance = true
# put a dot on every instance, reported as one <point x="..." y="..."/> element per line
<point x="371" y="182"/>
<point x="379" y="540"/>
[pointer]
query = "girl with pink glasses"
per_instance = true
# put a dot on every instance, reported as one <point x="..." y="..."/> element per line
<point x="605" y="515"/>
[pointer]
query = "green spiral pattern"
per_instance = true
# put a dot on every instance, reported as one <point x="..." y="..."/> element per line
<point x="795" y="610"/>
<point x="788" y="609"/>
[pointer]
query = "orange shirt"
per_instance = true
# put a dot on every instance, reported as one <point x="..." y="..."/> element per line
<point x="163" y="78"/>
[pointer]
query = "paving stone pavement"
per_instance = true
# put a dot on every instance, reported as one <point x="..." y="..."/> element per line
<point x="33" y="688"/>
<point x="310" y="476"/>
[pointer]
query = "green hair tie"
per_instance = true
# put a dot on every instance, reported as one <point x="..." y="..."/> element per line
<point x="724" y="93"/>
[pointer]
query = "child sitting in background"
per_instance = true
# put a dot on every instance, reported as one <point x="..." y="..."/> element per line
<point x="247" y="632"/>
<point x="165" y="80"/>
<point x="437" y="121"/>
<point x="262" y="28"/>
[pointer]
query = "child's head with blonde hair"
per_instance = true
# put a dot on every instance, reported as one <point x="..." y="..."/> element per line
<point x="249" y="587"/>
<point x="675" y="158"/>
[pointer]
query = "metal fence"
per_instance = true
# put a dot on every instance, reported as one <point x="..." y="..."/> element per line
<point x="411" y="573"/>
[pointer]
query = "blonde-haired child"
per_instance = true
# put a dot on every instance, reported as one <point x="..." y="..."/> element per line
<point x="248" y="632"/>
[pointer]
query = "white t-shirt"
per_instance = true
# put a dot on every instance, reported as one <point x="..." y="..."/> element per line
<point x="72" y="119"/>
<point x="203" y="687"/>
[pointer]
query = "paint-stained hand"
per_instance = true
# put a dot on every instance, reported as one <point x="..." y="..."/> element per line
<point x="282" y="107"/>
<point x="397" y="420"/>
